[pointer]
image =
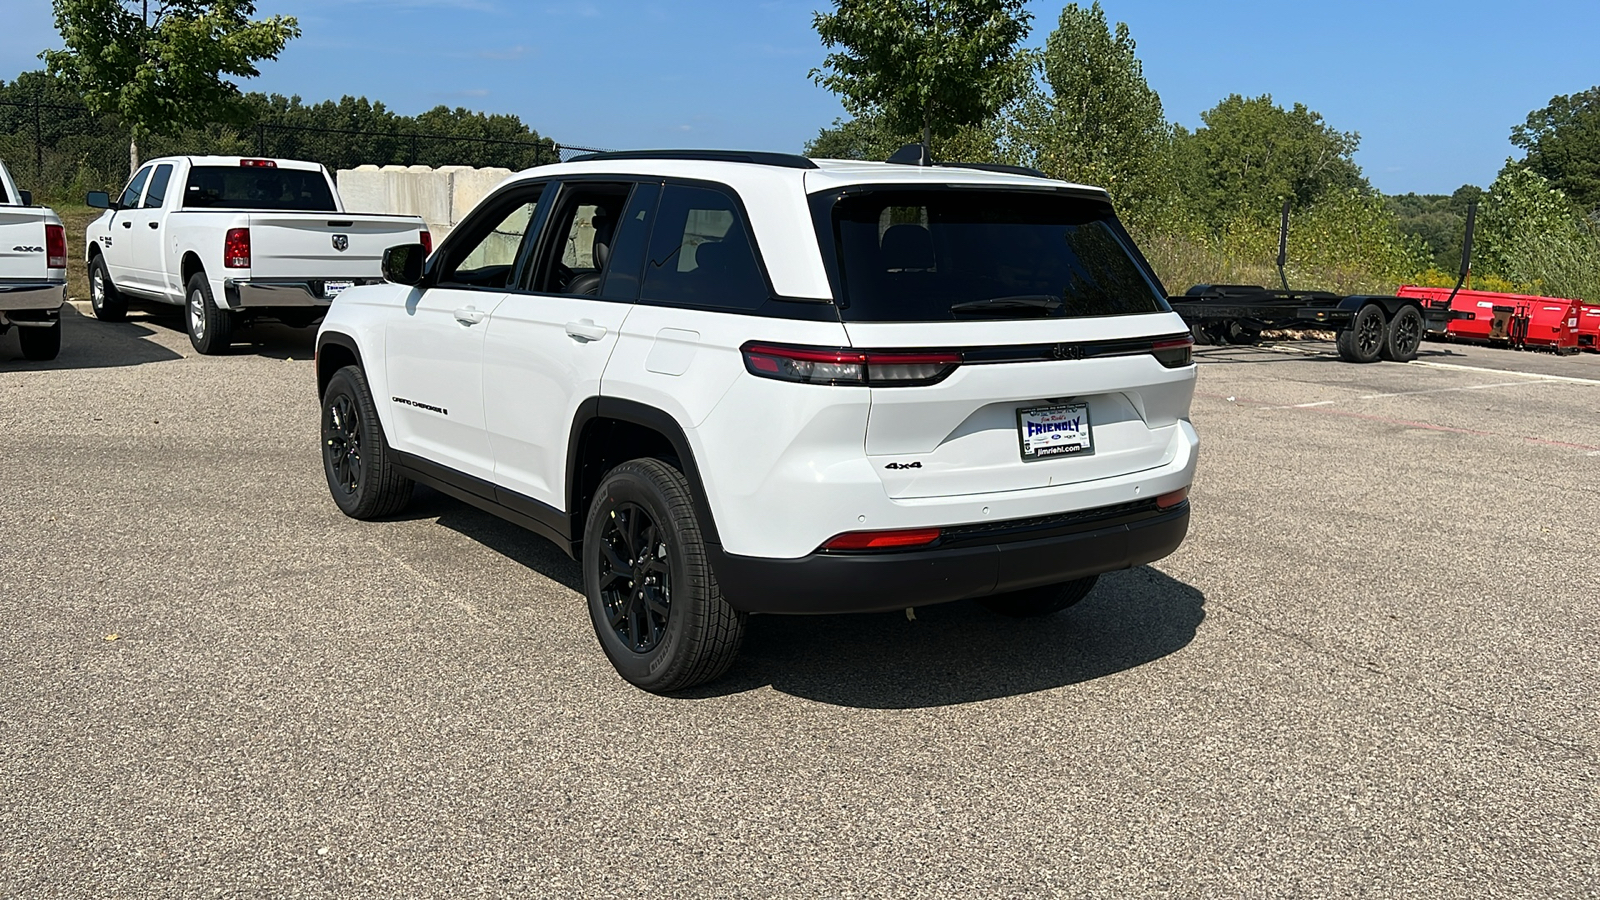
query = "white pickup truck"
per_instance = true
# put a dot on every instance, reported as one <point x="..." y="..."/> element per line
<point x="33" y="271"/>
<point x="234" y="239"/>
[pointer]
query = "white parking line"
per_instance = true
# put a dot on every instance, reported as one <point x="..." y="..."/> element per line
<point x="1537" y="375"/>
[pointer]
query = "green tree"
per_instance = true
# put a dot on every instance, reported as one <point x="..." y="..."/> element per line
<point x="928" y="66"/>
<point x="1563" y="145"/>
<point x="161" y="67"/>
<point x="1100" y="123"/>
<point x="1252" y="154"/>
<point x="1533" y="235"/>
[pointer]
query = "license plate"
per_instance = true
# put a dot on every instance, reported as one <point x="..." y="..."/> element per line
<point x="332" y="289"/>
<point x="1061" y="430"/>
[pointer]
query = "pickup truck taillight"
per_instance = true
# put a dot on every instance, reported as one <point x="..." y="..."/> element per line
<point x="427" y="242"/>
<point x="236" y="248"/>
<point x="55" y="247"/>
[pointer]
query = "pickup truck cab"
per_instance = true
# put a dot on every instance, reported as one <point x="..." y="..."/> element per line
<point x="33" y="271"/>
<point x="233" y="239"/>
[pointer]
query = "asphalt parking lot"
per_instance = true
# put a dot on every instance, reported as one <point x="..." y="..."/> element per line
<point x="1369" y="672"/>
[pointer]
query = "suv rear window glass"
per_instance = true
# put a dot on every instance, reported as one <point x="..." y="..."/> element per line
<point x="700" y="253"/>
<point x="249" y="187"/>
<point x="938" y="255"/>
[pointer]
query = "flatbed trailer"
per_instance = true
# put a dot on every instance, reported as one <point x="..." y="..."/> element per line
<point x="1369" y="327"/>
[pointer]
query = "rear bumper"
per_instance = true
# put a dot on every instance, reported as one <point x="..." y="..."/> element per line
<point x="280" y="292"/>
<point x="992" y="560"/>
<point x="31" y="295"/>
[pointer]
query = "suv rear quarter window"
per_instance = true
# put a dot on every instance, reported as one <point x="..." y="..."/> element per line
<point x="700" y="253"/>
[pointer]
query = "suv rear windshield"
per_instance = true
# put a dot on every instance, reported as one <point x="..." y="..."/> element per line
<point x="938" y="255"/>
<point x="248" y="187"/>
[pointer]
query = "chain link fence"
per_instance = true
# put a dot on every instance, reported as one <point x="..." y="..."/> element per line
<point x="60" y="152"/>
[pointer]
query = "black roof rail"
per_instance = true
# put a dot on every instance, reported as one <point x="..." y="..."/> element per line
<point x="758" y="157"/>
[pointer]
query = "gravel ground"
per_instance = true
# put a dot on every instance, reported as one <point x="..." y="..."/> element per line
<point x="1369" y="672"/>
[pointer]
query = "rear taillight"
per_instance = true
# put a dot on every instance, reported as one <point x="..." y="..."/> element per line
<point x="236" y="248"/>
<point x="427" y="242"/>
<point x="883" y="540"/>
<point x="1172" y="498"/>
<point x="1174" y="352"/>
<point x="875" y="368"/>
<point x="55" y="247"/>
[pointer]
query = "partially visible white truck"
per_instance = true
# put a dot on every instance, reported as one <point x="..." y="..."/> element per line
<point x="233" y="239"/>
<point x="33" y="271"/>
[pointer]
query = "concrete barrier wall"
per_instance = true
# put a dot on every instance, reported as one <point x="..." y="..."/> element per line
<point x="442" y="196"/>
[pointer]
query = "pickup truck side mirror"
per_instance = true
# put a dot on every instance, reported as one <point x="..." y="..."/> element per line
<point x="25" y="196"/>
<point x="403" y="264"/>
<point x="98" y="200"/>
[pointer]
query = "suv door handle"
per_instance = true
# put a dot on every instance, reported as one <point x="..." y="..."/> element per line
<point x="585" y="330"/>
<point x="470" y="315"/>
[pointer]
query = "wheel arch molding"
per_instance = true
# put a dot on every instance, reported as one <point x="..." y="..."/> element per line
<point x="601" y="428"/>
<point x="335" y="351"/>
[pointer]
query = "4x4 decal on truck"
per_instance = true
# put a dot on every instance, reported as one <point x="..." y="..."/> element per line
<point x="412" y="403"/>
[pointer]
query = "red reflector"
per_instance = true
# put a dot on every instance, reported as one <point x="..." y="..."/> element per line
<point x="1172" y="498"/>
<point x="427" y="242"/>
<point x="258" y="164"/>
<point x="883" y="540"/>
<point x="236" y="248"/>
<point x="55" y="247"/>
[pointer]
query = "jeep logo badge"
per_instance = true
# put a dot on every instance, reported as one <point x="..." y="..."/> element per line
<point x="341" y="242"/>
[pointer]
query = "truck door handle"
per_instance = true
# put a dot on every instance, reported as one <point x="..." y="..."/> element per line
<point x="470" y="315"/>
<point x="585" y="330"/>
<point x="155" y="224"/>
<point x="127" y="224"/>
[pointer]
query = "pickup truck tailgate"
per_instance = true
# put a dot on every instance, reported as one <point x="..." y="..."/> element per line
<point x="325" y="245"/>
<point x="22" y="243"/>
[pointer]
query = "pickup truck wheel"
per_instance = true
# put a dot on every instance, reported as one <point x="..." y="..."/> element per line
<point x="40" y="344"/>
<point x="210" y="328"/>
<point x="107" y="302"/>
<point x="1363" y="340"/>
<point x="654" y="602"/>
<point x="355" y="455"/>
<point x="1404" y="336"/>
<point x="1040" y="601"/>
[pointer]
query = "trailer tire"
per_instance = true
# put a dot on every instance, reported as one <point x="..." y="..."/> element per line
<point x="1363" y="340"/>
<point x="1239" y="333"/>
<point x="1404" y="335"/>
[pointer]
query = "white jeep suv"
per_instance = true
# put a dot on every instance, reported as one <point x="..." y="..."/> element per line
<point x="733" y="383"/>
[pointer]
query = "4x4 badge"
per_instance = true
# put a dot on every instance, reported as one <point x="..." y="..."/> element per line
<point x="341" y="242"/>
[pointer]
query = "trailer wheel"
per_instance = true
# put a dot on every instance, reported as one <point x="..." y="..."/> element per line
<point x="1239" y="333"/>
<point x="1363" y="341"/>
<point x="1404" y="335"/>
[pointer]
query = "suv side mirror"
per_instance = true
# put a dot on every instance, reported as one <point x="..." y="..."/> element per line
<point x="403" y="264"/>
<point x="25" y="196"/>
<point x="98" y="200"/>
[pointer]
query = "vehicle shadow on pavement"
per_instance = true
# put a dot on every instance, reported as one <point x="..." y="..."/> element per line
<point x="962" y="653"/>
<point x="88" y="343"/>
<point x="268" y="338"/>
<point x="511" y="541"/>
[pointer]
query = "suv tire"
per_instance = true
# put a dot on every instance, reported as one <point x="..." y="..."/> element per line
<point x="1364" y="340"/>
<point x="654" y="602"/>
<point x="107" y="302"/>
<point x="40" y="344"/>
<point x="1040" y="601"/>
<point x="355" y="455"/>
<point x="210" y="327"/>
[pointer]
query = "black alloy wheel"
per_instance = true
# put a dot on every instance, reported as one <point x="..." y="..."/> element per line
<point x="341" y="443"/>
<point x="1405" y="335"/>
<point x="635" y="577"/>
<point x="1363" y="340"/>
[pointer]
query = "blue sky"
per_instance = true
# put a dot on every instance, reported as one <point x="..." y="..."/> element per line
<point x="1433" y="87"/>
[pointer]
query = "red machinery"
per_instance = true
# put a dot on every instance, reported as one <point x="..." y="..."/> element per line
<point x="1520" y="320"/>
<point x="1589" y="327"/>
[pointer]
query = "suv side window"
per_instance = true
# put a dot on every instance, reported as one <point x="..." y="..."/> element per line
<point x="630" y="244"/>
<point x="700" y="253"/>
<point x="492" y="243"/>
<point x="130" y="197"/>
<point x="582" y="231"/>
<point x="157" y="194"/>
